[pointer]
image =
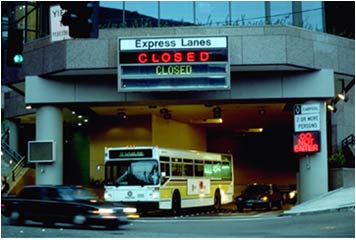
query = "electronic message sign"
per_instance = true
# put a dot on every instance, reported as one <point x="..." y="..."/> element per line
<point x="173" y="64"/>
<point x="306" y="142"/>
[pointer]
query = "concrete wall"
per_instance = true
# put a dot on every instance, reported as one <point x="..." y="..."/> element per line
<point x="280" y="85"/>
<point x="173" y="134"/>
<point x="117" y="134"/>
<point x="343" y="120"/>
<point x="252" y="45"/>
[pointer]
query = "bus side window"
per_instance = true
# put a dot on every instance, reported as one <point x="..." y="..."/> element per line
<point x="226" y="171"/>
<point x="198" y="168"/>
<point x="177" y="167"/>
<point x="188" y="167"/>
<point x="165" y="166"/>
<point x="216" y="170"/>
<point x="208" y="169"/>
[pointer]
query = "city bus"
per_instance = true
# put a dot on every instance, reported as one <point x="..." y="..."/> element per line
<point x="168" y="179"/>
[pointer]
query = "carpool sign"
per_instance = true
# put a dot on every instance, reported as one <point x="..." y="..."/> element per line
<point x="306" y="117"/>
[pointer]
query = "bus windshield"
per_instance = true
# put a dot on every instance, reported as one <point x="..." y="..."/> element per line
<point x="132" y="173"/>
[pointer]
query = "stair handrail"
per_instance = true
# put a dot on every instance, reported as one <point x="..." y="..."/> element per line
<point x="17" y="169"/>
<point x="7" y="149"/>
<point x="349" y="140"/>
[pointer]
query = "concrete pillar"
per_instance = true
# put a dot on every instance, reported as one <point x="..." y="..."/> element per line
<point x="313" y="168"/>
<point x="13" y="136"/>
<point x="49" y="126"/>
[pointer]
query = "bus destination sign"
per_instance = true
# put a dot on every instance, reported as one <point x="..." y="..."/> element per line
<point x="168" y="64"/>
<point x="130" y="153"/>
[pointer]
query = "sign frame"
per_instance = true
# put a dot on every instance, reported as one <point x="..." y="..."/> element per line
<point x="46" y="159"/>
<point x="306" y="117"/>
<point x="177" y="81"/>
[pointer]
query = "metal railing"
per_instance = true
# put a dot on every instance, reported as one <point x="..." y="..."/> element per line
<point x="349" y="140"/>
<point x="16" y="170"/>
<point x="13" y="154"/>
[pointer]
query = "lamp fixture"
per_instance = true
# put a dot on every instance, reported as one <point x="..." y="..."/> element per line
<point x="331" y="106"/>
<point x="216" y="112"/>
<point x="342" y="96"/>
<point x="122" y="115"/>
<point x="261" y="111"/>
<point x="163" y="110"/>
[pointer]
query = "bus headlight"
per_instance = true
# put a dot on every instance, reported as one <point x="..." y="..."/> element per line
<point x="129" y="210"/>
<point x="107" y="196"/>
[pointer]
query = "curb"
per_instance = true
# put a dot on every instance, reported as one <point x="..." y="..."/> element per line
<point x="339" y="209"/>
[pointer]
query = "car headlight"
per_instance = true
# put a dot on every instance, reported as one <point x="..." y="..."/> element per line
<point x="265" y="198"/>
<point x="292" y="194"/>
<point x="103" y="211"/>
<point x="129" y="210"/>
<point x="239" y="199"/>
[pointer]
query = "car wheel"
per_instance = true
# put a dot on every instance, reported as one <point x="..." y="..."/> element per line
<point x="16" y="218"/>
<point x="79" y="220"/>
<point x="112" y="226"/>
<point x="280" y="205"/>
<point x="240" y="209"/>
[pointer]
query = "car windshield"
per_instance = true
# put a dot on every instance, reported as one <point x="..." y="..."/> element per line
<point x="131" y="173"/>
<point x="75" y="194"/>
<point x="257" y="189"/>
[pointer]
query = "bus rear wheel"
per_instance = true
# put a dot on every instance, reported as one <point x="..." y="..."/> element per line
<point x="217" y="200"/>
<point x="176" y="204"/>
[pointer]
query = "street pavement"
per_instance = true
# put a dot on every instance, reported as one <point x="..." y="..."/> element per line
<point x="341" y="198"/>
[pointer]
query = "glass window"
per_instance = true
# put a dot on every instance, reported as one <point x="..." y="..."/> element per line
<point x="212" y="13"/>
<point x="165" y="165"/>
<point x="177" y="169"/>
<point x="281" y="13"/>
<point x="132" y="173"/>
<point x="312" y="15"/>
<point x="226" y="171"/>
<point x="176" y="13"/>
<point x="216" y="170"/>
<point x="248" y="13"/>
<point x="188" y="169"/>
<point x="111" y="4"/>
<point x="141" y="14"/>
<point x="208" y="169"/>
<point x="111" y="14"/>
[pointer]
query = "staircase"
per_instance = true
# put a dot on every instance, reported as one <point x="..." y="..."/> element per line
<point x="14" y="167"/>
<point x="348" y="148"/>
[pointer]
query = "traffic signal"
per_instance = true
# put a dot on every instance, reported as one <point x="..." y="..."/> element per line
<point x="81" y="18"/>
<point x="15" y="48"/>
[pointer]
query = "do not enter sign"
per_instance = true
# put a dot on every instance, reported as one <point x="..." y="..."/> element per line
<point x="306" y="142"/>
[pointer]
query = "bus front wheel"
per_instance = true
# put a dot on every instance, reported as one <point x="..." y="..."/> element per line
<point x="176" y="203"/>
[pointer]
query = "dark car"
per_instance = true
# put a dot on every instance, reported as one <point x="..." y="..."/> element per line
<point x="260" y="196"/>
<point x="63" y="204"/>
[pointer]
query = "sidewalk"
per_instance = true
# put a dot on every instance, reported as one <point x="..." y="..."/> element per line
<point x="338" y="199"/>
